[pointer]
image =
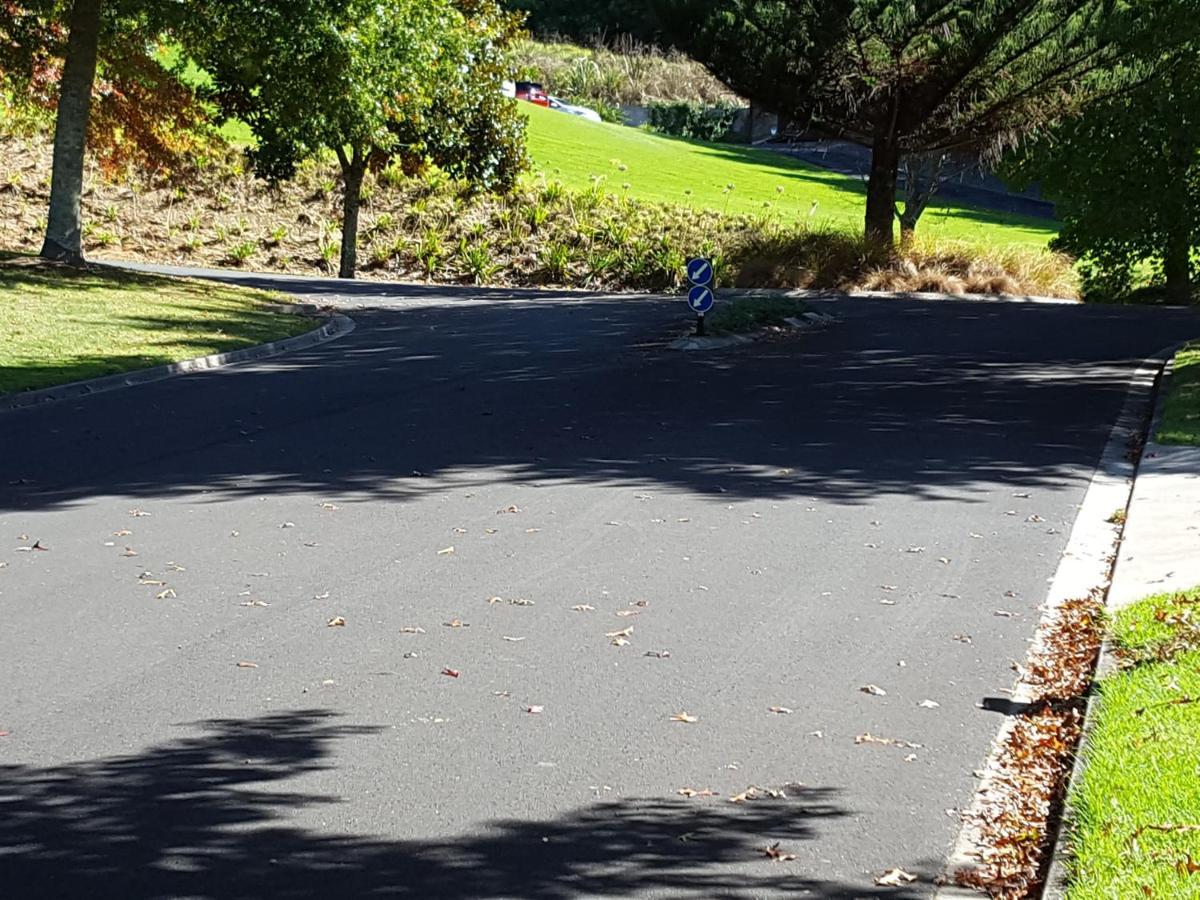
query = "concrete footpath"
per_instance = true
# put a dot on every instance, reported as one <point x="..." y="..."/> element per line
<point x="1160" y="550"/>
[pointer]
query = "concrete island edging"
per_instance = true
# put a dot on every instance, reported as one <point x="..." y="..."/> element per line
<point x="336" y="326"/>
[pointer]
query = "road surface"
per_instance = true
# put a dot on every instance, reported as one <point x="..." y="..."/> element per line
<point x="489" y="492"/>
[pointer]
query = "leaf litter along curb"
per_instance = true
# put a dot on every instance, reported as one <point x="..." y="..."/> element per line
<point x="1014" y="817"/>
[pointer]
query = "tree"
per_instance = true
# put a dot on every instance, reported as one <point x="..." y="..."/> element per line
<point x="366" y="80"/>
<point x="913" y="76"/>
<point x="64" y="228"/>
<point x="1125" y="178"/>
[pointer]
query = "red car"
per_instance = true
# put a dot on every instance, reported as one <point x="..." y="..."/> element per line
<point x="533" y="93"/>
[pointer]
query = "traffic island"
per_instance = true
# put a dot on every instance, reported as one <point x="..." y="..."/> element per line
<point x="745" y="319"/>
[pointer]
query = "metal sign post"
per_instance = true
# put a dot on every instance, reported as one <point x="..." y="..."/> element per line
<point x="700" y="297"/>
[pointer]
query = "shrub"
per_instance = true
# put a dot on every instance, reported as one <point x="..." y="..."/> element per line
<point x="688" y="119"/>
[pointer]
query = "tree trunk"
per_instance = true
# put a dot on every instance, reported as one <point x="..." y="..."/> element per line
<point x="64" y="228"/>
<point x="353" y="169"/>
<point x="881" y="189"/>
<point x="1177" y="266"/>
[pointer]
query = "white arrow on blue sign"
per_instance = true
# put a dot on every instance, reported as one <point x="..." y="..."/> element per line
<point x="700" y="271"/>
<point x="700" y="298"/>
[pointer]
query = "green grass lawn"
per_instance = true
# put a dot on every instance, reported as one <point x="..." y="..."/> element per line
<point x="736" y="179"/>
<point x="1137" y="805"/>
<point x="61" y="324"/>
<point x="1181" y="410"/>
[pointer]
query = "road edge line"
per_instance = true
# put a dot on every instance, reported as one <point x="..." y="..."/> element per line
<point x="1085" y="568"/>
<point x="337" y="326"/>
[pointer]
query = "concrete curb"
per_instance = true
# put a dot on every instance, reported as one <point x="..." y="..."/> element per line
<point x="806" y="321"/>
<point x="1056" y="884"/>
<point x="337" y="326"/>
<point x="804" y="293"/>
<point x="1085" y="566"/>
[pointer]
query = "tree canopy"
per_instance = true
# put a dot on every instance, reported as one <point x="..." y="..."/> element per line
<point x="368" y="80"/>
<point x="915" y="76"/>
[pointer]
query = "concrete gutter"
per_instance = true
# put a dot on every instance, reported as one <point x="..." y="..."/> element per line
<point x="335" y="327"/>
<point x="1159" y="553"/>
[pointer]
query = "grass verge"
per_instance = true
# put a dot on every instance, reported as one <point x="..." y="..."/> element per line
<point x="743" y="314"/>
<point x="1181" y="410"/>
<point x="62" y="324"/>
<point x="1137" y="806"/>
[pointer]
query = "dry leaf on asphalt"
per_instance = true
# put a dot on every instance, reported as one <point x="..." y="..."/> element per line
<point x="335" y="622"/>
<point x="520" y="601"/>
<point x="961" y="638"/>
<point x="327" y="505"/>
<point x="453" y="673"/>
<point x="624" y="632"/>
<point x="874" y="690"/>
<point x="124" y="532"/>
<point x="684" y="717"/>
<point x="658" y="654"/>
<point x="511" y="508"/>
<point x="288" y="525"/>
<point x="412" y="629"/>
<point x="692" y="792"/>
<point x="460" y="531"/>
<point x="1035" y="518"/>
<point x="149" y="582"/>
<point x="138" y="513"/>
<point x="457" y="623"/>
<point x="246" y="664"/>
<point x="773" y="853"/>
<point x="491" y="530"/>
<point x="534" y="710"/>
<point x="620" y="642"/>
<point x="895" y="878"/>
<point x="1003" y="613"/>
<point x="129" y="551"/>
<point x="168" y="594"/>
<point x="944" y="560"/>
<point x="929" y="704"/>
<point x="782" y="710"/>
<point x="445" y="550"/>
<point x="324" y="596"/>
<point x="511" y="639"/>
<point x="583" y="607"/>
<point x="891" y="742"/>
<point x="256" y="603"/>
<point x="626" y="613"/>
<point x="914" y="550"/>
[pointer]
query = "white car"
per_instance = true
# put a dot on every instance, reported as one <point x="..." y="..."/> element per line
<point x="582" y="111"/>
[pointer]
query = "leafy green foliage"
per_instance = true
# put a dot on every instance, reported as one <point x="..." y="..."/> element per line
<point x="693" y="120"/>
<point x="911" y="76"/>
<point x="1126" y="180"/>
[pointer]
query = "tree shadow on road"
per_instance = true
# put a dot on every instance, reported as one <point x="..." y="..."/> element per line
<point x="933" y="400"/>
<point x="207" y="816"/>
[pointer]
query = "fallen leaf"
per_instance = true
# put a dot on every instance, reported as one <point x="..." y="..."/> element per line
<point x="816" y="734"/>
<point x="888" y="602"/>
<point x="658" y="654"/>
<point x="168" y="594"/>
<point x="641" y="603"/>
<point x="620" y="642"/>
<point x="915" y="550"/>
<point x="124" y="532"/>
<point x="335" y="622"/>
<point x="445" y="550"/>
<point x="929" y="704"/>
<point x="288" y="525"/>
<point x="887" y="587"/>
<point x="891" y="742"/>
<point x="583" y="607"/>
<point x="453" y="673"/>
<point x="325" y="504"/>
<point x="511" y="508"/>
<point x="534" y="710"/>
<point x="457" y="623"/>
<point x="460" y="531"/>
<point x="874" y="690"/>
<point x="692" y="792"/>
<point x="511" y="639"/>
<point x="626" y="613"/>
<point x="962" y="638"/>
<point x="138" y="513"/>
<point x="150" y="582"/>
<point x="1003" y="613"/>
<point x="412" y="629"/>
<point x="684" y="717"/>
<point x="624" y="632"/>
<point x="773" y="853"/>
<point x="1035" y="518"/>
<point x="256" y="603"/>
<point x="895" y="878"/>
<point x="129" y="551"/>
<point x="532" y="530"/>
<point x="491" y="530"/>
<point x="944" y="560"/>
<point x="1022" y="494"/>
<point x="521" y="601"/>
<point x="246" y="664"/>
<point x="782" y="710"/>
<point x="324" y="596"/>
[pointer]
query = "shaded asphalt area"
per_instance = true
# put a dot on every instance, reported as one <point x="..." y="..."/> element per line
<point x="880" y="503"/>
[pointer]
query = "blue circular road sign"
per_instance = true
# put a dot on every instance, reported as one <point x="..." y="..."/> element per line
<point x="700" y="298"/>
<point x="700" y="271"/>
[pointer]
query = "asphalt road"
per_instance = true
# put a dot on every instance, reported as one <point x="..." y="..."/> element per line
<point x="755" y="513"/>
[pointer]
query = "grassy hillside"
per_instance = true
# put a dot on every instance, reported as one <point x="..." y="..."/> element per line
<point x="736" y="179"/>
